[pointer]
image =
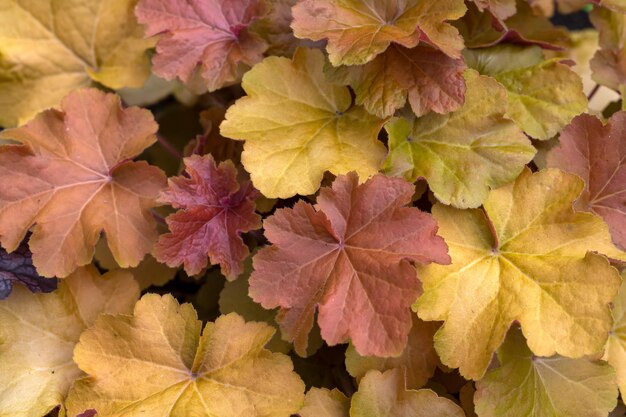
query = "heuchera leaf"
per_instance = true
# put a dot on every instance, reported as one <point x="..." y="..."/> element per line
<point x="501" y="9"/>
<point x="609" y="62"/>
<point x="384" y="395"/>
<point x="418" y="359"/>
<point x="206" y="38"/>
<point x="39" y="332"/>
<point x="430" y="80"/>
<point x="525" y="258"/>
<point x="543" y="95"/>
<point x="322" y="402"/>
<point x="157" y="362"/>
<point x="616" y="344"/>
<point x="357" y="31"/>
<point x="597" y="153"/>
<point x="463" y="154"/>
<point x="51" y="47"/>
<point x="529" y="386"/>
<point x="73" y="177"/>
<point x="18" y="267"/>
<point x="214" y="209"/>
<point x="348" y="258"/>
<point x="299" y="125"/>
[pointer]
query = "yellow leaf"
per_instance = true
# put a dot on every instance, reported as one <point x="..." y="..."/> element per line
<point x="38" y="333"/>
<point x="616" y="345"/>
<point x="529" y="386"/>
<point x="322" y="402"/>
<point x="384" y="395"/>
<point x="526" y="257"/>
<point x="50" y="47"/>
<point x="464" y="153"/>
<point x="156" y="362"/>
<point x="297" y="125"/>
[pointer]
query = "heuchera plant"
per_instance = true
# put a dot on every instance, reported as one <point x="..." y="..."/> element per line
<point x="312" y="208"/>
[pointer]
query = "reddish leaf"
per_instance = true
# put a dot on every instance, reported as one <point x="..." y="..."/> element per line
<point x="348" y="257"/>
<point x="597" y="153"/>
<point x="215" y="210"/>
<point x="18" y="267"/>
<point x="74" y="178"/>
<point x="212" y="34"/>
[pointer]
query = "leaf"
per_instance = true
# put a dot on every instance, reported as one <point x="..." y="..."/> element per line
<point x="502" y="9"/>
<point x="148" y="273"/>
<point x="73" y="177"/>
<point x="597" y="153"/>
<point x="348" y="258"/>
<point x="299" y="125"/>
<point x="418" y="359"/>
<point x="430" y="80"/>
<point x="611" y="27"/>
<point x="543" y="95"/>
<point x="528" y="258"/>
<point x="384" y="395"/>
<point x="39" y="332"/>
<point x="463" y="154"/>
<point x="50" y="47"/>
<point x="157" y="362"/>
<point x="616" y="344"/>
<point x="213" y="211"/>
<point x="234" y="298"/>
<point x="276" y="31"/>
<point x="529" y="386"/>
<point x="357" y="31"/>
<point x="210" y="39"/>
<point x="609" y="68"/>
<point x="18" y="267"/>
<point x="322" y="402"/>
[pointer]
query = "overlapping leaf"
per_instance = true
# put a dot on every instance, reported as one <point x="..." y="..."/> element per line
<point x="299" y="125"/>
<point x="214" y="209"/>
<point x="543" y="95"/>
<point x="609" y="62"/>
<point x="17" y="267"/>
<point x="357" y="31"/>
<point x="418" y="359"/>
<point x="157" y="362"/>
<point x="210" y="40"/>
<point x="616" y="345"/>
<point x="384" y="395"/>
<point x="39" y="332"/>
<point x="502" y="9"/>
<point x="50" y="47"/>
<point x="430" y="80"/>
<point x="597" y="153"/>
<point x="346" y="257"/>
<point x="464" y="154"/>
<point x="529" y="386"/>
<point x="73" y="177"/>
<point x="525" y="258"/>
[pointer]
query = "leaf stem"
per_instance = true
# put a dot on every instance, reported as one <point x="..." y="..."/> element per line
<point x="169" y="147"/>
<point x="593" y="92"/>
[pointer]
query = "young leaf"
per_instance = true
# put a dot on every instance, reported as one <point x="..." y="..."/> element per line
<point x="597" y="153"/>
<point x="321" y="402"/>
<point x="347" y="257"/>
<point x="214" y="209"/>
<point x="418" y="359"/>
<point x="18" y="267"/>
<point x="543" y="95"/>
<point x="73" y="177"/>
<point x="39" y="332"/>
<point x="299" y="125"/>
<point x="157" y="362"/>
<point x="430" y="80"/>
<point x="526" y="258"/>
<point x="209" y="38"/>
<point x="357" y="31"/>
<point x="464" y="154"/>
<point x="384" y="395"/>
<point x="616" y="345"/>
<point x="529" y="386"/>
<point x="49" y="49"/>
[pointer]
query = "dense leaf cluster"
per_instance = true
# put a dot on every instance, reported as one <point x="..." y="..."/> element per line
<point x="321" y="208"/>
